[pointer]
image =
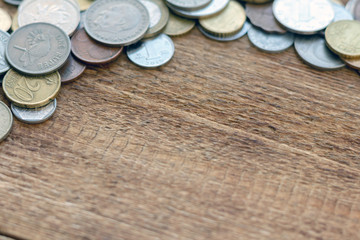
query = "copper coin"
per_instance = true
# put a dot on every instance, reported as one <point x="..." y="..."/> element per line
<point x="90" y="51"/>
<point x="262" y="16"/>
<point x="71" y="70"/>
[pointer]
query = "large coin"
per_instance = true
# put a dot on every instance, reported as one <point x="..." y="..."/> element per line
<point x="189" y="5"/>
<point x="229" y="38"/>
<point x="159" y="16"/>
<point x="117" y="22"/>
<point x="31" y="92"/>
<point x="303" y="16"/>
<point x="178" y="25"/>
<point x="34" y="115"/>
<point x="4" y="39"/>
<point x="6" y="121"/>
<point x="213" y="8"/>
<point x="38" y="48"/>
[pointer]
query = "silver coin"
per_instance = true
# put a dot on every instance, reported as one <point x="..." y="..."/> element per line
<point x="117" y="22"/>
<point x="270" y="42"/>
<point x="38" y="48"/>
<point x="34" y="115"/>
<point x="13" y="2"/>
<point x="237" y="35"/>
<point x="153" y="52"/>
<point x="303" y="16"/>
<point x="4" y="38"/>
<point x="188" y="5"/>
<point x="341" y="13"/>
<point x="313" y="50"/>
<point x="350" y="5"/>
<point x="213" y="8"/>
<point x="6" y="121"/>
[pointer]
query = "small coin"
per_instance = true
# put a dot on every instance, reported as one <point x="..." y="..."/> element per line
<point x="34" y="115"/>
<point x="262" y="16"/>
<point x="38" y="48"/>
<point x="270" y="42"/>
<point x="31" y="92"/>
<point x="91" y="52"/>
<point x="313" y="50"/>
<point x="85" y="4"/>
<point x="303" y="16"/>
<point x="227" y="22"/>
<point x="213" y="8"/>
<point x="178" y="26"/>
<point x="159" y="16"/>
<point x="237" y="35"/>
<point x="153" y="52"/>
<point x="117" y="22"/>
<point x="71" y="70"/>
<point x="15" y="24"/>
<point x="189" y="5"/>
<point x="342" y="37"/>
<point x="6" y="121"/>
<point x="4" y="39"/>
<point x="5" y="20"/>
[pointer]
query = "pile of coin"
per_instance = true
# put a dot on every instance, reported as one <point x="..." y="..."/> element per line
<point x="53" y="40"/>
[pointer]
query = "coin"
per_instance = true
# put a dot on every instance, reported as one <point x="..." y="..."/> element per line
<point x="213" y="8"/>
<point x="91" y="52"/>
<point x="5" y="20"/>
<point x="178" y="26"/>
<point x="117" y="22"/>
<point x="85" y="4"/>
<point x="313" y="50"/>
<point x="227" y="22"/>
<point x="6" y="121"/>
<point x="342" y="37"/>
<point x="341" y="13"/>
<point x="4" y="39"/>
<point x="159" y="16"/>
<point x="38" y="48"/>
<point x="15" y="24"/>
<point x="31" y="92"/>
<point x="71" y="70"/>
<point x="303" y="16"/>
<point x="153" y="52"/>
<point x="353" y="62"/>
<point x="237" y="35"/>
<point x="34" y="115"/>
<point x="257" y="1"/>
<point x="61" y="13"/>
<point x="356" y="10"/>
<point x="262" y="16"/>
<point x="270" y="42"/>
<point x="13" y="2"/>
<point x="189" y="5"/>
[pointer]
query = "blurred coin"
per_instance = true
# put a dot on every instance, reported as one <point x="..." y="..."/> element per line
<point x="159" y="16"/>
<point x="31" y="92"/>
<point x="5" y="20"/>
<point x="71" y="70"/>
<point x="303" y="16"/>
<point x="341" y="13"/>
<point x="15" y="24"/>
<point x="13" y="2"/>
<point x="38" y="48"/>
<point x="91" y="52"/>
<point x="270" y="42"/>
<point x="178" y="25"/>
<point x="257" y="1"/>
<point x="34" y="115"/>
<point x="189" y="5"/>
<point x="4" y="39"/>
<point x="117" y="22"/>
<point x="262" y="16"/>
<point x="313" y="50"/>
<point x="213" y="8"/>
<point x="85" y="4"/>
<point x="356" y="9"/>
<point x="237" y="35"/>
<point x="353" y="62"/>
<point x="153" y="52"/>
<point x="6" y="121"/>
<point x="338" y="2"/>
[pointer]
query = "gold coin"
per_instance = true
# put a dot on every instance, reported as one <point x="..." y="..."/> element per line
<point x="227" y="22"/>
<point x="31" y="92"/>
<point x="343" y="38"/>
<point x="5" y="20"/>
<point x="6" y="121"/>
<point x="85" y="4"/>
<point x="352" y="62"/>
<point x="15" y="24"/>
<point x="178" y="26"/>
<point x="159" y="16"/>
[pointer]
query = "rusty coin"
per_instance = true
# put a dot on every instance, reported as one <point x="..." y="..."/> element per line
<point x="90" y="51"/>
<point x="71" y="70"/>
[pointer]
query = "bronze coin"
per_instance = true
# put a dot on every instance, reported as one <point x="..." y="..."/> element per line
<point x="90" y="51"/>
<point x="262" y="16"/>
<point x="71" y="70"/>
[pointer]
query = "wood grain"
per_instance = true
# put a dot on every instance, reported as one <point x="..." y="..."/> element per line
<point x="224" y="142"/>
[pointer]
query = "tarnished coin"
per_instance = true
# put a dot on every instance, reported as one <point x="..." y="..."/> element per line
<point x="213" y="8"/>
<point x="303" y="16"/>
<point x="117" y="22"/>
<point x="189" y="5"/>
<point x="15" y="24"/>
<point x="177" y="26"/>
<point x="91" y="52"/>
<point x="313" y="50"/>
<point x="237" y="35"/>
<point x="6" y="121"/>
<point x="5" y="20"/>
<point x="270" y="42"/>
<point x="38" y="48"/>
<point x="4" y="39"/>
<point x="71" y="70"/>
<point x="159" y="16"/>
<point x="227" y="22"/>
<point x="261" y="15"/>
<point x="342" y="37"/>
<point x="153" y="52"/>
<point x="31" y="92"/>
<point x="34" y="115"/>
<point x="62" y="13"/>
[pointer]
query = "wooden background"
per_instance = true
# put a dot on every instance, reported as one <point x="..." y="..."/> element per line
<point x="224" y="142"/>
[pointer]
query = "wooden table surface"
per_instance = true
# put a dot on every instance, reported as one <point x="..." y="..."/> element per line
<point x="224" y="142"/>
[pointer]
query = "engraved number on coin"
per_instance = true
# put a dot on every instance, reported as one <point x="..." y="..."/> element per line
<point x="26" y="91"/>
